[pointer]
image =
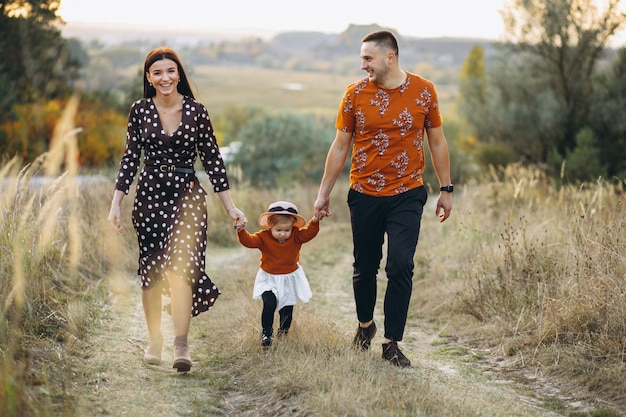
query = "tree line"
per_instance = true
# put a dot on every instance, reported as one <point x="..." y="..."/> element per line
<point x="552" y="95"/>
<point x="555" y="95"/>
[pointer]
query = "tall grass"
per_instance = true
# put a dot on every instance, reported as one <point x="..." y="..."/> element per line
<point x="548" y="275"/>
<point x="52" y="267"/>
<point x="537" y="270"/>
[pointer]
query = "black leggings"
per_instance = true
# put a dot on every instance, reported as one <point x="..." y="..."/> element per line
<point x="267" y="316"/>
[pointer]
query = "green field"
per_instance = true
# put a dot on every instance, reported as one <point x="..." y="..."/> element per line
<point x="282" y="90"/>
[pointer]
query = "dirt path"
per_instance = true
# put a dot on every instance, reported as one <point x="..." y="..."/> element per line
<point x="112" y="380"/>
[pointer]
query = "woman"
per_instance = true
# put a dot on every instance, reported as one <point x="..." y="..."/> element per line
<point x="169" y="213"/>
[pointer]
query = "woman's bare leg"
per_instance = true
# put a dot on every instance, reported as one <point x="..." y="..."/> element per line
<point x="181" y="316"/>
<point x="151" y="300"/>
<point x="181" y="305"/>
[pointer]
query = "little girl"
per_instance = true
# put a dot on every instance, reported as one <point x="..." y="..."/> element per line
<point x="280" y="278"/>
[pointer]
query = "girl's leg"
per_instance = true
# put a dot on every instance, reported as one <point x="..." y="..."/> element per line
<point x="286" y="315"/>
<point x="267" y="315"/>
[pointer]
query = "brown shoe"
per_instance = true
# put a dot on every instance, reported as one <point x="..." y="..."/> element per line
<point x="182" y="360"/>
<point x="393" y="354"/>
<point x="363" y="337"/>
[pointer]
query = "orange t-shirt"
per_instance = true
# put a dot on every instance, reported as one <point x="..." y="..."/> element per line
<point x="388" y="133"/>
<point x="279" y="258"/>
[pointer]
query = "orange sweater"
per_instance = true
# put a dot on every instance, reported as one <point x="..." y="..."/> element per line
<point x="279" y="258"/>
<point x="388" y="128"/>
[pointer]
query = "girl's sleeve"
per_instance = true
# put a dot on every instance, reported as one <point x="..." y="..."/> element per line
<point x="248" y="240"/>
<point x="309" y="231"/>
<point x="209" y="151"/>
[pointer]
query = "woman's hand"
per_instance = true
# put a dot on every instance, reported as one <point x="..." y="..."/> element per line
<point x="115" y="218"/>
<point x="239" y="219"/>
<point x="115" y="214"/>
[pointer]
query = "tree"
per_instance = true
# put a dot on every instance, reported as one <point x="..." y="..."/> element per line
<point x="607" y="116"/>
<point x="230" y="120"/>
<point x="40" y="68"/>
<point x="583" y="162"/>
<point x="283" y="150"/>
<point x="41" y="65"/>
<point x="520" y="111"/>
<point x="564" y="39"/>
<point x="543" y="90"/>
<point x="474" y="78"/>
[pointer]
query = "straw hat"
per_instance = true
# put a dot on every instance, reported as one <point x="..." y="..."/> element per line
<point x="281" y="207"/>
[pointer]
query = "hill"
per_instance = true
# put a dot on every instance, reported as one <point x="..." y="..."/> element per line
<point x="247" y="47"/>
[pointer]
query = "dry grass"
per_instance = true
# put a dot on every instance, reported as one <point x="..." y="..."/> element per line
<point x="531" y="271"/>
<point x="546" y="273"/>
<point x="53" y="263"/>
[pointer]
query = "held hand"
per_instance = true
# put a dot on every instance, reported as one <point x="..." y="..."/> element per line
<point x="115" y="218"/>
<point x="321" y="208"/>
<point x="239" y="219"/>
<point x="444" y="206"/>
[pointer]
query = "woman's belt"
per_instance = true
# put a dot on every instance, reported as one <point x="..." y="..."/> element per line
<point x="171" y="168"/>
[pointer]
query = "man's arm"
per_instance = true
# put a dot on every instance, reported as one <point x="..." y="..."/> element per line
<point x="335" y="161"/>
<point x="441" y="163"/>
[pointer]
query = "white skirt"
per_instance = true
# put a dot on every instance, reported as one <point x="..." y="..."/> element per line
<point x="286" y="287"/>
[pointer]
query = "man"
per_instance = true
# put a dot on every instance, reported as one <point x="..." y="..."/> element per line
<point x="383" y="119"/>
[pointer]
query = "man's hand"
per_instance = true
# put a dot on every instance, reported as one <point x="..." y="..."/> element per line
<point x="444" y="206"/>
<point x="321" y="208"/>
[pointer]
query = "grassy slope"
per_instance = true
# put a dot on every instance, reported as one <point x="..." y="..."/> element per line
<point x="549" y="263"/>
<point x="314" y="372"/>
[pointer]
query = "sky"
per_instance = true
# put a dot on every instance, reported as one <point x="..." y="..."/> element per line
<point x="419" y="18"/>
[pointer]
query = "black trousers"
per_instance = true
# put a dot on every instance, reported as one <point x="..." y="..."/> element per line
<point x="267" y="315"/>
<point x="400" y="218"/>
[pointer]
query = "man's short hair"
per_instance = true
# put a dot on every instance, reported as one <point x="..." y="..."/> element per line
<point x="383" y="39"/>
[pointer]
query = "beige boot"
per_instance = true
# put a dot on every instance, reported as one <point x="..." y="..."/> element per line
<point x="152" y="356"/>
<point x="182" y="360"/>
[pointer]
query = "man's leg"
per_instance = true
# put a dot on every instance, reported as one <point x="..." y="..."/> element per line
<point x="403" y="227"/>
<point x="366" y="214"/>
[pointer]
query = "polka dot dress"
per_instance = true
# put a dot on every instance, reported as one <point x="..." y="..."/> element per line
<point x="169" y="212"/>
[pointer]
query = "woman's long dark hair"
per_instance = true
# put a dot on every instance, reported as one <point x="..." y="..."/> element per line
<point x="158" y="54"/>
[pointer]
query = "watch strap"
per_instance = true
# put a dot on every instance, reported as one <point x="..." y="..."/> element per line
<point x="447" y="188"/>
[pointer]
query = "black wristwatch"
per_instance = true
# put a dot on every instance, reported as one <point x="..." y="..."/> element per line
<point x="447" y="188"/>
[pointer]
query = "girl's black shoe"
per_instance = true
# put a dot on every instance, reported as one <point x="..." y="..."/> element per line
<point x="266" y="338"/>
